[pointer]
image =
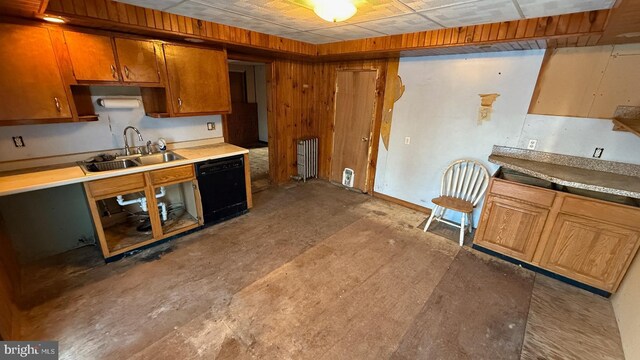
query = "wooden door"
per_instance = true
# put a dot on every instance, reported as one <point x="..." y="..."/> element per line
<point x="31" y="86"/>
<point x="137" y="60"/>
<point x="589" y="250"/>
<point x="511" y="227"/>
<point x="238" y="86"/>
<point x="92" y="57"/>
<point x="198" y="80"/>
<point x="354" y="114"/>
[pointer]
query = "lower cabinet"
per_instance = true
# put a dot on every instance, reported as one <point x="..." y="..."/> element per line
<point x="135" y="210"/>
<point x="590" y="241"/>
<point x="511" y="227"/>
<point x="590" y="250"/>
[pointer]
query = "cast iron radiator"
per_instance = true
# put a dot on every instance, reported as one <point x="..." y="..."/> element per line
<point x="307" y="158"/>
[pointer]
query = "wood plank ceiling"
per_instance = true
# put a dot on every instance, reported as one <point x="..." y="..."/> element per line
<point x="295" y="19"/>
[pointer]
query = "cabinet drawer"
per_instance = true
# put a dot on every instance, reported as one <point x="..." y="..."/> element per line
<point x="522" y="192"/>
<point x="178" y="173"/>
<point x="117" y="185"/>
<point x="612" y="213"/>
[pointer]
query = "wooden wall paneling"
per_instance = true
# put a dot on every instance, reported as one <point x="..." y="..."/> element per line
<point x="620" y="84"/>
<point x="575" y="71"/>
<point x="134" y="19"/>
<point x="129" y="18"/>
<point x="623" y="19"/>
<point x="9" y="287"/>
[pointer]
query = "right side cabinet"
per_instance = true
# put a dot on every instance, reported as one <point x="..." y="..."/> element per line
<point x="588" y="240"/>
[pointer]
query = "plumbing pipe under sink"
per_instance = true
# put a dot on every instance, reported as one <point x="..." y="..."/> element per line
<point x="142" y="201"/>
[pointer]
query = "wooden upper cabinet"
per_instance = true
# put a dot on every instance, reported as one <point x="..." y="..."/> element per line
<point x="198" y="80"/>
<point x="511" y="227"/>
<point x="92" y="57"/>
<point x="589" y="250"/>
<point x="31" y="86"/>
<point x="137" y="60"/>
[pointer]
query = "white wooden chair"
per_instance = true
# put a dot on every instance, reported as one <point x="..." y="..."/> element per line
<point x="463" y="185"/>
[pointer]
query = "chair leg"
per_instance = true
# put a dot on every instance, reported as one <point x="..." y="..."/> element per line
<point x="433" y="213"/>
<point x="462" y="223"/>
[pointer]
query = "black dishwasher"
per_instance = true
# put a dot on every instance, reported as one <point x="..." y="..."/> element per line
<point x="222" y="188"/>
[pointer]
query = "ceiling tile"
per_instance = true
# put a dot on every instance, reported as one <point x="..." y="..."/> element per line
<point x="286" y="12"/>
<point x="422" y="5"/>
<point x="539" y="8"/>
<point x="152" y="4"/>
<point x="474" y="13"/>
<point x="295" y="18"/>
<point x="310" y="37"/>
<point x="347" y="32"/>
<point x="204" y="12"/>
<point x="400" y="24"/>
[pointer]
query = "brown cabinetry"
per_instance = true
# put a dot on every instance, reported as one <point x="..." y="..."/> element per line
<point x="106" y="59"/>
<point x="132" y="211"/>
<point x="590" y="250"/>
<point x="92" y="57"/>
<point x="511" y="227"/>
<point x="137" y="60"/>
<point x="198" y="80"/>
<point x="588" y="240"/>
<point x="31" y="85"/>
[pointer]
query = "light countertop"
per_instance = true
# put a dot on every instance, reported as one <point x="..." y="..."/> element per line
<point x="14" y="182"/>
<point x="582" y="173"/>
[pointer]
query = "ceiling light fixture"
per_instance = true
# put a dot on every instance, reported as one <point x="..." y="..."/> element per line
<point x="53" y="19"/>
<point x="335" y="10"/>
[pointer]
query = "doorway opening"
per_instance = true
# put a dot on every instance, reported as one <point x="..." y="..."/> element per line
<point x="247" y="126"/>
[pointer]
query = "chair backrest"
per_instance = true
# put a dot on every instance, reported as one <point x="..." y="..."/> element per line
<point x="466" y="180"/>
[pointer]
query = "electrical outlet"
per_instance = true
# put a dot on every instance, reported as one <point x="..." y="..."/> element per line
<point x="407" y="140"/>
<point x="211" y="126"/>
<point x="532" y="144"/>
<point x="598" y="153"/>
<point x="18" y="142"/>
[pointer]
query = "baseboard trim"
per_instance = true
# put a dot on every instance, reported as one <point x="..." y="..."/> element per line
<point x="401" y="202"/>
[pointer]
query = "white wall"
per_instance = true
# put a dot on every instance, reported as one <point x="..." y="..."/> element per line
<point x="439" y="112"/>
<point x="580" y="137"/>
<point x="105" y="134"/>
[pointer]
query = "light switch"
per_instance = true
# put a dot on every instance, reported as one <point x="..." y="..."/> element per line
<point x="211" y="126"/>
<point x="407" y="140"/>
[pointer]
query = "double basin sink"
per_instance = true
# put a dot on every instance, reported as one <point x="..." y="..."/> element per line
<point x="127" y="162"/>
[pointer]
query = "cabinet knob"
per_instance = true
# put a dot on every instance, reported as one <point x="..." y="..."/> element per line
<point x="365" y="139"/>
<point x="180" y="103"/>
<point x="114" y="72"/>
<point x="57" y="103"/>
<point x="126" y="72"/>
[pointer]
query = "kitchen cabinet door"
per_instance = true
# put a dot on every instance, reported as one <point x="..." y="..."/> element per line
<point x="92" y="57"/>
<point x="198" y="80"/>
<point x="589" y="250"/>
<point x="511" y="227"/>
<point x="137" y="60"/>
<point x="31" y="86"/>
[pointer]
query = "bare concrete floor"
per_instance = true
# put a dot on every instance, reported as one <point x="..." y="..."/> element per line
<point x="313" y="271"/>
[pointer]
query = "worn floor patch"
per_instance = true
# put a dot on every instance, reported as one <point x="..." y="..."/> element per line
<point x="478" y="311"/>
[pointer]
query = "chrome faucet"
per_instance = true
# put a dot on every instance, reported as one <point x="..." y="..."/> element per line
<point x="127" y="150"/>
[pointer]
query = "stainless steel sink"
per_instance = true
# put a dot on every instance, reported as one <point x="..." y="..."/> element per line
<point x="109" y="165"/>
<point x="130" y="161"/>
<point x="158" y="158"/>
